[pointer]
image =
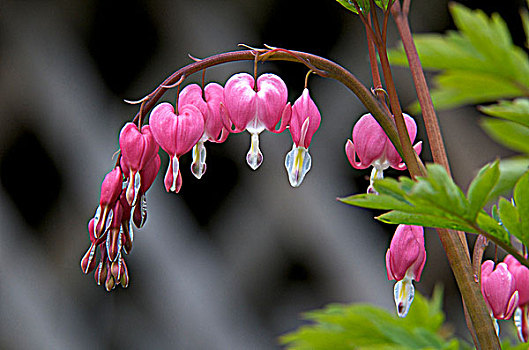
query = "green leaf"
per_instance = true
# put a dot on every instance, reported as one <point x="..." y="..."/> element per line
<point x="510" y="218"/>
<point x="488" y="224"/>
<point x="436" y="201"/>
<point x="360" y="326"/>
<point x="509" y="134"/>
<point x="373" y="201"/>
<point x="525" y="22"/>
<point x="479" y="62"/>
<point x="510" y="171"/>
<point x="399" y="217"/>
<point x="383" y="4"/>
<point x="515" y="111"/>
<point x="481" y="187"/>
<point x="521" y="200"/>
<point x="348" y="4"/>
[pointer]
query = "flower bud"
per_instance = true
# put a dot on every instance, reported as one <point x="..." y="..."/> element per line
<point x="499" y="289"/>
<point x="405" y="261"/>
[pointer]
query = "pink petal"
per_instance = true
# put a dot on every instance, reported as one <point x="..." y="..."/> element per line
<point x="304" y="108"/>
<point x="369" y="140"/>
<point x="240" y="100"/>
<point x="351" y="156"/>
<point x="272" y="95"/>
<point x="391" y="153"/>
<point x="189" y="129"/>
<point x="163" y="123"/>
<point x="214" y="94"/>
<point x="111" y="187"/>
<point x="149" y="172"/>
<point x="192" y="95"/>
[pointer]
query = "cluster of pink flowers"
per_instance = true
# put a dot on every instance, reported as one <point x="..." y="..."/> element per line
<point x="211" y="114"/>
<point x="506" y="292"/>
<point x="122" y="198"/>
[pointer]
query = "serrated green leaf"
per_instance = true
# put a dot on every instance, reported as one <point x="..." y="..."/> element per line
<point x="479" y="62"/>
<point x="399" y="217"/>
<point x="515" y="111"/>
<point x="510" y="171"/>
<point x="383" y="4"/>
<point x="510" y="218"/>
<point x="373" y="201"/>
<point x="348" y="4"/>
<point x="361" y="326"/>
<point x="493" y="228"/>
<point x="456" y="88"/>
<point x="481" y="187"/>
<point x="521" y="201"/>
<point x="441" y="191"/>
<point x="509" y="134"/>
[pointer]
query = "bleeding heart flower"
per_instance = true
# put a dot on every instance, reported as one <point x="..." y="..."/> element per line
<point x="521" y="278"/>
<point x="304" y="122"/>
<point x="255" y="106"/>
<point x="110" y="191"/>
<point x="209" y="105"/>
<point x="405" y="261"/>
<point x="498" y="287"/>
<point x="137" y="149"/>
<point x="176" y="134"/>
<point x="373" y="147"/>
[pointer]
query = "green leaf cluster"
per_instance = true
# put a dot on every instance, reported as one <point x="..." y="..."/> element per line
<point x="436" y="201"/>
<point x="478" y="62"/>
<point x="361" y="326"/>
<point x="514" y="215"/>
<point x="510" y="126"/>
<point x="363" y="4"/>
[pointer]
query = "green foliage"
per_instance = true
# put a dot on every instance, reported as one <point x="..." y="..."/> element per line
<point x="512" y="126"/>
<point x="510" y="134"/>
<point x="479" y="62"/>
<point x="348" y="4"/>
<point x="364" y="5"/>
<point x="515" y="111"/>
<point x="361" y="326"/>
<point x="436" y="201"/>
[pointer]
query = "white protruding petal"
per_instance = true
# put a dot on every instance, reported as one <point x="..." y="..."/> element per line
<point x="176" y="167"/>
<point x="198" y="167"/>
<point x="496" y="326"/>
<point x="109" y="220"/>
<point x="137" y="184"/>
<point x="297" y="162"/>
<point x="254" y="157"/>
<point x="376" y="174"/>
<point x="403" y="294"/>
<point x="131" y="232"/>
<point x="143" y="209"/>
<point x="97" y="216"/>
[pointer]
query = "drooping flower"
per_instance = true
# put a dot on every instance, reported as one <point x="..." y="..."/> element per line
<point x="304" y="122"/>
<point x="214" y="131"/>
<point x="498" y="287"/>
<point x="176" y="134"/>
<point x="110" y="190"/>
<point x="137" y="149"/>
<point x="255" y="106"/>
<point x="148" y="174"/>
<point x="521" y="278"/>
<point x="373" y="147"/>
<point x="405" y="261"/>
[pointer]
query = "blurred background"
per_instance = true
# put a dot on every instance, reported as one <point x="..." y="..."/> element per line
<point x="234" y="259"/>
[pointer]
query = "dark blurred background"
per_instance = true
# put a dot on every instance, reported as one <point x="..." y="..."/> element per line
<point x="232" y="261"/>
